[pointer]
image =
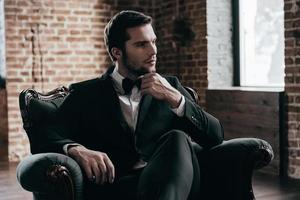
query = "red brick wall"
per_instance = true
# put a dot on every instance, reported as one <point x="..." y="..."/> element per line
<point x="49" y="43"/>
<point x="3" y="126"/>
<point x="292" y="84"/>
<point x="190" y="62"/>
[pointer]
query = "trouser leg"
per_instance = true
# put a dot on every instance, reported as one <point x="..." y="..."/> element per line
<point x="123" y="188"/>
<point x="170" y="172"/>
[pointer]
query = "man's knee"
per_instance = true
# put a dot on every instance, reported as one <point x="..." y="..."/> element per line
<point x="175" y="145"/>
<point x="176" y="136"/>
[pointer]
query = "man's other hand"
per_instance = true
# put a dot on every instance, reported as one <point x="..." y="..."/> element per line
<point x="155" y="85"/>
<point x="97" y="165"/>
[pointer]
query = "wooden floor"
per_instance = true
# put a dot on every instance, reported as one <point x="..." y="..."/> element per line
<point x="269" y="187"/>
<point x="9" y="187"/>
<point x="266" y="187"/>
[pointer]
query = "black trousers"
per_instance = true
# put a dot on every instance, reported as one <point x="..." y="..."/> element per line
<point x="172" y="173"/>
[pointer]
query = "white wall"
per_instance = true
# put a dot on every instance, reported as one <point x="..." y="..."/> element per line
<point x="219" y="39"/>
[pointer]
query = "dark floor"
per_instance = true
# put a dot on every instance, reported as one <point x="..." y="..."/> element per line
<point x="266" y="187"/>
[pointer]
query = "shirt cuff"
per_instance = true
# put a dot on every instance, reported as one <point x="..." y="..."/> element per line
<point x="67" y="146"/>
<point x="180" y="110"/>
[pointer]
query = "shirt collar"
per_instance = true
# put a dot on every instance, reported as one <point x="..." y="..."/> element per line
<point x="117" y="79"/>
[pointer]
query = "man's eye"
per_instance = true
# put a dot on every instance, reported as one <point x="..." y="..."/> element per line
<point x="140" y="44"/>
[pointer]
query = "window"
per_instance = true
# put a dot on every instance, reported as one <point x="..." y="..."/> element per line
<point x="259" y="43"/>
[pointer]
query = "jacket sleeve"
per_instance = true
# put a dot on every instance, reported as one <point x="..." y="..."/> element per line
<point x="204" y="129"/>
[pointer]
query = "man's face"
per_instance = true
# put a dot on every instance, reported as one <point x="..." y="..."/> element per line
<point x="140" y="52"/>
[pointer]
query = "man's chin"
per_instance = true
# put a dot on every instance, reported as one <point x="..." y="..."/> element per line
<point x="146" y="71"/>
<point x="151" y="69"/>
<point x="142" y="70"/>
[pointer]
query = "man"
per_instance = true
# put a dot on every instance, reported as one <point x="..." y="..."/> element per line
<point x="130" y="129"/>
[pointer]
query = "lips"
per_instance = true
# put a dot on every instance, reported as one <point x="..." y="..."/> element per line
<point x="151" y="61"/>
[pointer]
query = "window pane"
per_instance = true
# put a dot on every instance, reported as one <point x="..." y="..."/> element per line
<point x="261" y="42"/>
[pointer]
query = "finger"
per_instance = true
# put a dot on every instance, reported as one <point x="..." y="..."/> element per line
<point x="110" y="170"/>
<point x="96" y="172"/>
<point x="88" y="171"/>
<point x="140" y="77"/>
<point x="148" y="79"/>
<point x="147" y="85"/>
<point x="103" y="171"/>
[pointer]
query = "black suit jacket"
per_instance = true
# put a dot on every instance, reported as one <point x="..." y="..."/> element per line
<point x="91" y="116"/>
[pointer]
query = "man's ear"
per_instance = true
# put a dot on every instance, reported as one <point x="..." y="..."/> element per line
<point x="116" y="52"/>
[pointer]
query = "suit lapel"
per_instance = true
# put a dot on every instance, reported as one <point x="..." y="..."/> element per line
<point x="143" y="111"/>
<point x="112" y="100"/>
<point x="114" y="104"/>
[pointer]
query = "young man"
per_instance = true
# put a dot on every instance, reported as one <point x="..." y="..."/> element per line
<point x="130" y="129"/>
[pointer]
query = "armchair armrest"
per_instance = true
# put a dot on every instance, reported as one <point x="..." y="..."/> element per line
<point x="51" y="176"/>
<point x="229" y="167"/>
<point x="263" y="155"/>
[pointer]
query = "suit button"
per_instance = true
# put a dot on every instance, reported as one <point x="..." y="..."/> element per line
<point x="194" y="119"/>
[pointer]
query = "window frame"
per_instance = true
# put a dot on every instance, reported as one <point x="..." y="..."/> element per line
<point x="236" y="43"/>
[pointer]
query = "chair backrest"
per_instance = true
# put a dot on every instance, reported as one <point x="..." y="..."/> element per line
<point x="38" y="109"/>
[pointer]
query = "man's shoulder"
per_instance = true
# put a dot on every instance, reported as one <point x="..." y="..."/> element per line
<point x="84" y="84"/>
<point x="92" y="83"/>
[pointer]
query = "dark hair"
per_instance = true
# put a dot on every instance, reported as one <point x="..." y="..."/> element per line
<point x="115" y="32"/>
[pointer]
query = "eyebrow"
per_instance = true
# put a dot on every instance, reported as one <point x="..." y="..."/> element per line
<point x="144" y="41"/>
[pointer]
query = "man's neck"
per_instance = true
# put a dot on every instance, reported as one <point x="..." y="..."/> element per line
<point x="124" y="72"/>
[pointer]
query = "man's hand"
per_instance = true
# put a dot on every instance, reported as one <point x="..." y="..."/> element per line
<point x="95" y="164"/>
<point x="155" y="85"/>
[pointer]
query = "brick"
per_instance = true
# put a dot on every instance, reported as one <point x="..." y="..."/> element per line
<point x="62" y="12"/>
<point x="287" y="6"/>
<point x="82" y="12"/>
<point x="289" y="79"/>
<point x="289" y="61"/>
<point x="57" y="25"/>
<point x="292" y="69"/>
<point x="74" y="32"/>
<point x="76" y="39"/>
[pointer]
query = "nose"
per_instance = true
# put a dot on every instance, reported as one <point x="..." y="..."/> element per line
<point x="152" y="49"/>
